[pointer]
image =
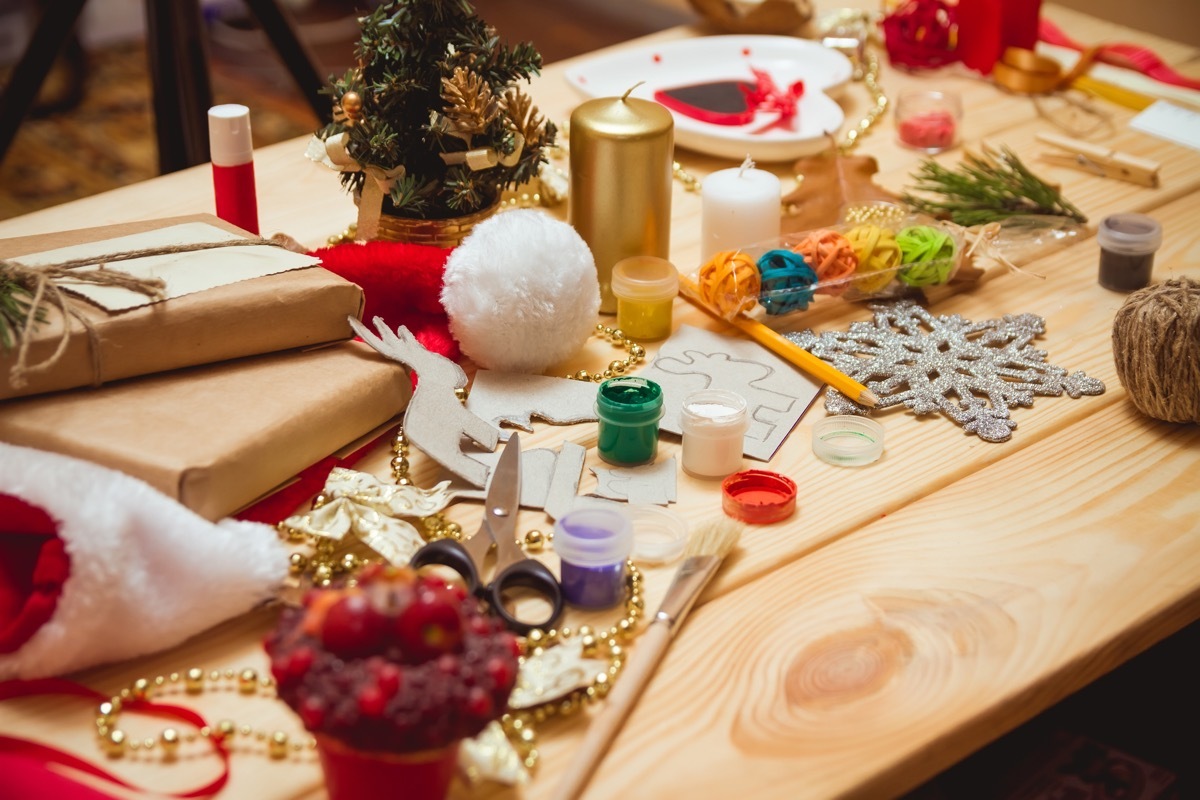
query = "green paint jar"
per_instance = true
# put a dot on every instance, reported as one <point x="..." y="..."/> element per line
<point x="629" y="409"/>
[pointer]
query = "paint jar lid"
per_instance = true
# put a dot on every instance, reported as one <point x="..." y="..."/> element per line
<point x="659" y="534"/>
<point x="846" y="440"/>
<point x="758" y="496"/>
<point x="646" y="278"/>
<point x="1129" y="234"/>
<point x="594" y="537"/>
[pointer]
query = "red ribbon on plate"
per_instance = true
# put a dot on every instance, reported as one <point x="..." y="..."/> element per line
<point x="767" y="96"/>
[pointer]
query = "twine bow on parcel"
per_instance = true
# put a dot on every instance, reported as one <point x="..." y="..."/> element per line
<point x="48" y="286"/>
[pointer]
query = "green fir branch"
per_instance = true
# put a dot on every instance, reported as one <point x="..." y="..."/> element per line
<point x="987" y="188"/>
<point x="15" y="301"/>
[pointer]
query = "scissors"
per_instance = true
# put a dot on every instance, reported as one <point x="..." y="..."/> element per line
<point x="513" y="568"/>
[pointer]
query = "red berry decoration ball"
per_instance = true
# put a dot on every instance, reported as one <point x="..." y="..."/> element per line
<point x="399" y="663"/>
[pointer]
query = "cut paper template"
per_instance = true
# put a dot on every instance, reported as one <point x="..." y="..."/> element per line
<point x="515" y="398"/>
<point x="435" y="421"/>
<point x="651" y="484"/>
<point x="549" y="479"/>
<point x="777" y="393"/>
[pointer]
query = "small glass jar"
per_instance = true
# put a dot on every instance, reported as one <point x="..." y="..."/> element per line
<point x="927" y="120"/>
<point x="593" y="545"/>
<point x="714" y="424"/>
<point x="645" y="288"/>
<point x="628" y="409"/>
<point x="1128" y="243"/>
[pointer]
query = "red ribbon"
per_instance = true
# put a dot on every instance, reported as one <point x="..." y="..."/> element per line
<point x="33" y="757"/>
<point x="1139" y="59"/>
<point x="767" y="96"/>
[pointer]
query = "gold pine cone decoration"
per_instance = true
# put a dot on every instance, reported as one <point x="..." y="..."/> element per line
<point x="755" y="16"/>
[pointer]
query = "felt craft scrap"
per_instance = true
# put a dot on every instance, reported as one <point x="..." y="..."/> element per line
<point x="101" y="567"/>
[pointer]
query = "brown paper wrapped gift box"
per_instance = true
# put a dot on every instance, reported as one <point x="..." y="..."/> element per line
<point x="217" y="437"/>
<point x="299" y="308"/>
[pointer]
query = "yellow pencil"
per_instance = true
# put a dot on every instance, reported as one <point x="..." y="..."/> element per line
<point x="793" y="353"/>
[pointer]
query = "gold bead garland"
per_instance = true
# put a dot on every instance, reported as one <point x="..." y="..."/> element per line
<point x="636" y="352"/>
<point x="117" y="743"/>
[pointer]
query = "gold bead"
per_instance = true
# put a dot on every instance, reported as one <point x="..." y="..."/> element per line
<point x="246" y="730"/>
<point x="114" y="743"/>
<point x="527" y="736"/>
<point x="454" y="530"/>
<point x="535" y="541"/>
<point x="225" y="728"/>
<point x="404" y="481"/>
<point x="229" y="673"/>
<point x="531" y="759"/>
<point x="400" y="463"/>
<point x="149" y="743"/>
<point x="615" y="651"/>
<point x="589" y="646"/>
<point x="583" y="375"/>
<point x="565" y="632"/>
<point x="616" y="366"/>
<point x="159" y="681"/>
<point x="601" y="329"/>
<point x="608" y="373"/>
<point x="319" y="501"/>
<point x="140" y="688"/>
<point x="322" y="574"/>
<point x="193" y="681"/>
<point x="279" y="745"/>
<point x="133" y="745"/>
<point x="214" y="675"/>
<point x="106" y="711"/>
<point x="247" y="681"/>
<point x="535" y="637"/>
<point x="350" y="562"/>
<point x="624" y="630"/>
<point x="169" y="739"/>
<point x="637" y="351"/>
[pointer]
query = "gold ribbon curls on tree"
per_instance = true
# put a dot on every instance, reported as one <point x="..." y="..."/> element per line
<point x="471" y="109"/>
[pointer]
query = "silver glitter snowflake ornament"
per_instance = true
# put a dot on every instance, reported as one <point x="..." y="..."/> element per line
<point x="973" y="372"/>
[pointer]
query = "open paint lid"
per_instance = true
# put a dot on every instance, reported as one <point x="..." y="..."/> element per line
<point x="758" y="496"/>
<point x="659" y="534"/>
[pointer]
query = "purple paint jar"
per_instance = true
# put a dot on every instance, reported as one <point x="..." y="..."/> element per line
<point x="593" y="544"/>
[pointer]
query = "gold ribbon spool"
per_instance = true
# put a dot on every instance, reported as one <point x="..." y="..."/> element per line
<point x="1023" y="71"/>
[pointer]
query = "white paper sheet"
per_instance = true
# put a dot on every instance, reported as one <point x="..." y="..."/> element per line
<point x="184" y="273"/>
<point x="1171" y="122"/>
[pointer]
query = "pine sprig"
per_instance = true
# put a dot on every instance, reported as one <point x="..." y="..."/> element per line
<point x="987" y="188"/>
<point x="15" y="301"/>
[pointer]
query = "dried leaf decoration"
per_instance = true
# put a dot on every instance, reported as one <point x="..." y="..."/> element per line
<point x="470" y="108"/>
<point x="523" y="116"/>
<point x="830" y="181"/>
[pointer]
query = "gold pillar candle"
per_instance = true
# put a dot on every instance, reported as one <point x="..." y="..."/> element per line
<point x="620" y="200"/>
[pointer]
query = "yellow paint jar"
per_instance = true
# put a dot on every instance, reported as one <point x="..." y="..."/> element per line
<point x="645" y="288"/>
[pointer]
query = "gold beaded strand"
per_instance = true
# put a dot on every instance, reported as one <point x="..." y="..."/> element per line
<point x="117" y="743"/>
<point x="636" y="352"/>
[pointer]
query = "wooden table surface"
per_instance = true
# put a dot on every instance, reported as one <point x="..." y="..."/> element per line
<point x="911" y="611"/>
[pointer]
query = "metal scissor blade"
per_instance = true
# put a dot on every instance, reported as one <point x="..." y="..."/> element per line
<point x="504" y="501"/>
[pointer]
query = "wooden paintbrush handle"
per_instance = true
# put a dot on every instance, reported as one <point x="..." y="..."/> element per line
<point x="650" y="648"/>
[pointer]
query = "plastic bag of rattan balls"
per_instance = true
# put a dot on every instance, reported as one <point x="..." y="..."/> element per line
<point x="865" y="260"/>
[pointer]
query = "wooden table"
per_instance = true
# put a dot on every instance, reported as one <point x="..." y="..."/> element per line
<point x="912" y="611"/>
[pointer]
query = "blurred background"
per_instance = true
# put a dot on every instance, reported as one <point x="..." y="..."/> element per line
<point x="92" y="126"/>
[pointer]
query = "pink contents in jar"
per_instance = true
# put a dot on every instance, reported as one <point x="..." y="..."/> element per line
<point x="928" y="130"/>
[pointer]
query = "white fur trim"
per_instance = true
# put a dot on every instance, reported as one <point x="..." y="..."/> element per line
<point x="521" y="292"/>
<point x="146" y="572"/>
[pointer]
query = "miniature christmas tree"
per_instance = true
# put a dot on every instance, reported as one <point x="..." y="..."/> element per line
<point x="431" y="122"/>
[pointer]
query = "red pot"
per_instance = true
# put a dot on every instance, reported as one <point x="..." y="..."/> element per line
<point x="352" y="774"/>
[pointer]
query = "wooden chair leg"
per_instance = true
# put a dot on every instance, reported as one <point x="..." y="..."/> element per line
<point x="30" y="72"/>
<point x="178" y="56"/>
<point x="277" y="23"/>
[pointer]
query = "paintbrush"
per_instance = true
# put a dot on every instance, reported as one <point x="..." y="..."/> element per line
<point x="706" y="549"/>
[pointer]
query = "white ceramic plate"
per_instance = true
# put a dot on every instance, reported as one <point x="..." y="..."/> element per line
<point x="715" y="58"/>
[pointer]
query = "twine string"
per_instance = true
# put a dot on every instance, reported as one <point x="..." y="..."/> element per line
<point x="44" y="285"/>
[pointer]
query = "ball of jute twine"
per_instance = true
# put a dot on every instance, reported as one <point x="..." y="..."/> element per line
<point x="1156" y="346"/>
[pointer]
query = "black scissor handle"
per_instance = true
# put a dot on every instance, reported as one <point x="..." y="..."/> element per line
<point x="527" y="574"/>
<point x="448" y="553"/>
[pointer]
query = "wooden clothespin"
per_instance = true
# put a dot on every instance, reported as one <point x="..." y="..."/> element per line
<point x="1100" y="160"/>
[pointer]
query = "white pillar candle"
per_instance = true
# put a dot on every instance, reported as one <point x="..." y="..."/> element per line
<point x="740" y="207"/>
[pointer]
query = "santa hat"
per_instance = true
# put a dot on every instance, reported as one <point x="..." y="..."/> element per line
<point x="97" y="566"/>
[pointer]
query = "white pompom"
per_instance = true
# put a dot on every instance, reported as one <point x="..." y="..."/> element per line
<point x="521" y="292"/>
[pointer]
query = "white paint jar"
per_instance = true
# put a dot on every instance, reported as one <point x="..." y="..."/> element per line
<point x="714" y="424"/>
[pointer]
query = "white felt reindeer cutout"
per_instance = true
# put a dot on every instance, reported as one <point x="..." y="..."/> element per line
<point x="435" y="420"/>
